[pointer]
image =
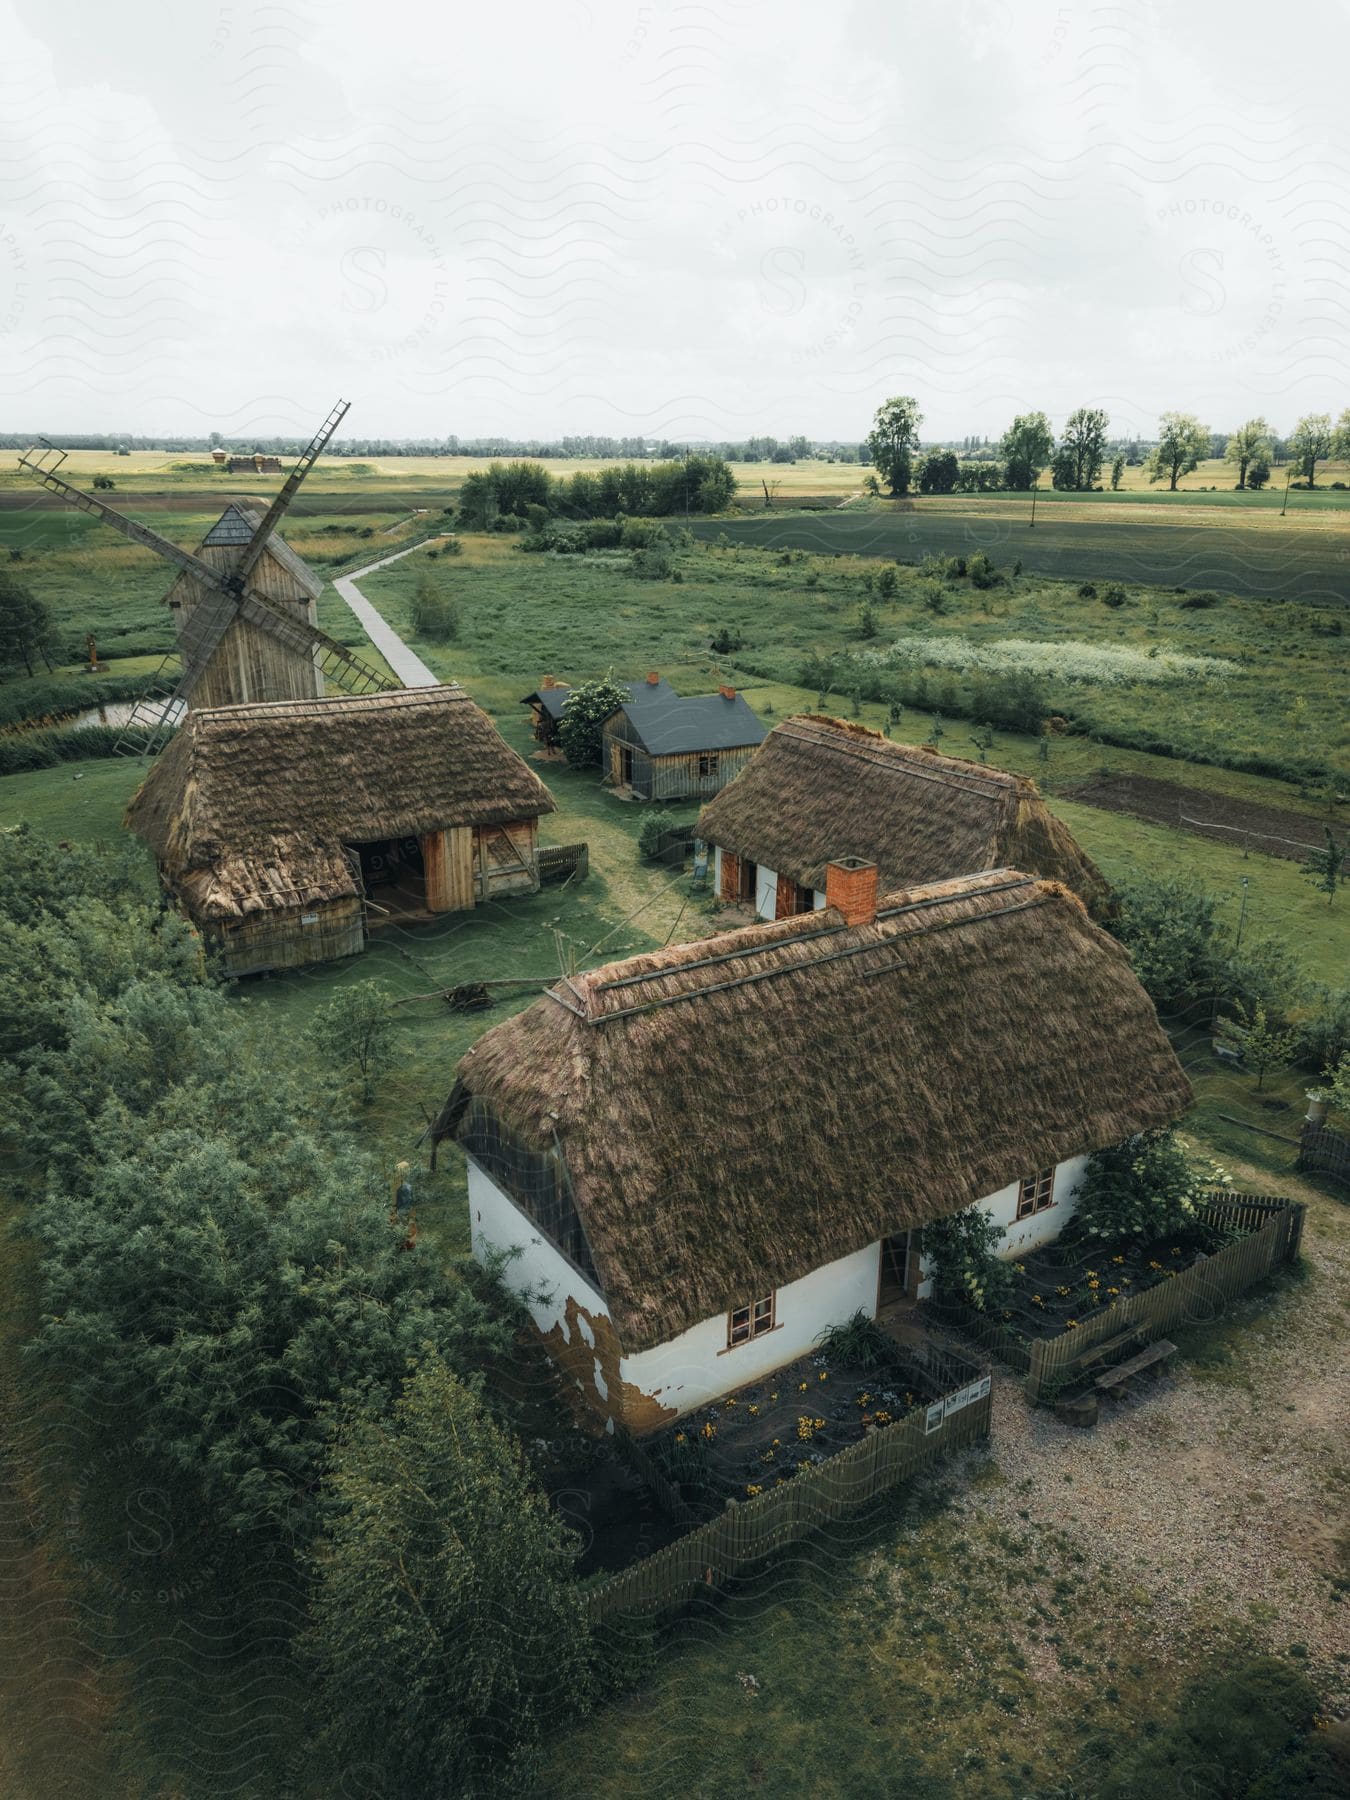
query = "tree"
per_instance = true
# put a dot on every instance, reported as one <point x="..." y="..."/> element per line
<point x="1323" y="867"/>
<point x="355" y="1034"/>
<point x="434" y="615"/>
<point x="1085" y="440"/>
<point x="446" y="1631"/>
<point x="938" y="472"/>
<point x="1263" y="1047"/>
<point x="1310" y="442"/>
<point x="1250" y="442"/>
<point x="893" y="440"/>
<point x="1259" y="472"/>
<point x="27" y="634"/>
<point x="581" y="726"/>
<point x="1117" y="473"/>
<point x="1026" y="447"/>
<point x="1143" y="1188"/>
<point x="1341" y="445"/>
<point x="1063" y="469"/>
<point x="1182" y="441"/>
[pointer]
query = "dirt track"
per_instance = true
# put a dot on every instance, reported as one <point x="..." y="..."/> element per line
<point x="1271" y="829"/>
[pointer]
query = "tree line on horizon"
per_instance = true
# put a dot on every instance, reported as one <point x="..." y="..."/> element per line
<point x="1028" y="447"/>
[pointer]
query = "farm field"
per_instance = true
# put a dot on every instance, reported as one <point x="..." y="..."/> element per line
<point x="1243" y="547"/>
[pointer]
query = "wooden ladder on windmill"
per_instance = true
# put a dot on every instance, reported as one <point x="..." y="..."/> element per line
<point x="225" y="596"/>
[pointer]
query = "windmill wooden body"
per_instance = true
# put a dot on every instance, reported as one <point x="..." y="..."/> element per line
<point x="243" y="607"/>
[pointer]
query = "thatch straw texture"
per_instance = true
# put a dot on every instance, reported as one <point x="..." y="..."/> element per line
<point x="821" y="788"/>
<point x="736" y="1112"/>
<point x="248" y="807"/>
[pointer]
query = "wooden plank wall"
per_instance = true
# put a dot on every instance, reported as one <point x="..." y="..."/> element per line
<point x="447" y="864"/>
<point x="278" y="940"/>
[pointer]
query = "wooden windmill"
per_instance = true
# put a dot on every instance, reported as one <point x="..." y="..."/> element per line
<point x="242" y="606"/>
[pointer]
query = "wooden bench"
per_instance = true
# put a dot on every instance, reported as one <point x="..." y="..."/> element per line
<point x="1107" y="1347"/>
<point x="1156" y="1352"/>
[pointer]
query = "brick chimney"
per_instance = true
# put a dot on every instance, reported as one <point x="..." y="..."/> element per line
<point x="653" y="678"/>
<point x="727" y="693"/>
<point x="851" y="886"/>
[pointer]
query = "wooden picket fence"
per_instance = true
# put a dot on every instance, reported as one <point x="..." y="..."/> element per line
<point x="559" y="862"/>
<point x="1273" y="1230"/>
<point x="753" y="1529"/>
<point x="1323" y="1151"/>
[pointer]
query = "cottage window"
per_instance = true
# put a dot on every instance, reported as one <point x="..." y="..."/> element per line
<point x="707" y="762"/>
<point x="1035" y="1193"/>
<point x="746" y="1322"/>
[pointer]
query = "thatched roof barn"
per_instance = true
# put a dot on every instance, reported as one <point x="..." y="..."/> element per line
<point x="708" y="1122"/>
<point x="280" y="827"/>
<point x="820" y="788"/>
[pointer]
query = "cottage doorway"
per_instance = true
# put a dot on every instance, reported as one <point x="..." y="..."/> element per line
<point x="899" y="1270"/>
<point x="394" y="877"/>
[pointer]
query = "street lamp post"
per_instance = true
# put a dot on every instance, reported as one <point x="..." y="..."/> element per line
<point x="1035" y="484"/>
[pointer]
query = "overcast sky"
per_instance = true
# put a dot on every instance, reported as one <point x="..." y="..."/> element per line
<point x="673" y="218"/>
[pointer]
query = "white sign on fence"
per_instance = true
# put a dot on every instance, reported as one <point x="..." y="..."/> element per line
<point x="966" y="1396"/>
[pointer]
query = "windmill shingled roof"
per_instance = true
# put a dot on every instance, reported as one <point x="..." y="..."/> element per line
<point x="236" y="526"/>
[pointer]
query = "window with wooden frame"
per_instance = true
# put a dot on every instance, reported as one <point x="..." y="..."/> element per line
<point x="747" y="1322"/>
<point x="707" y="762"/>
<point x="1035" y="1193"/>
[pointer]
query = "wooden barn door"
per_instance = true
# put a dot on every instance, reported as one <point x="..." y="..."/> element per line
<point x="731" y="877"/>
<point x="447" y="860"/>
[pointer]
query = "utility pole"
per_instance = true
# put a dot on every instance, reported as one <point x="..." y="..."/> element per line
<point x="1288" y="478"/>
<point x="1242" y="916"/>
<point x="1035" y="484"/>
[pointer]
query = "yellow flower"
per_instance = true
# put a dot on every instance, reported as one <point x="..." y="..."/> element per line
<point x="752" y="1489"/>
<point x="1117" y="1259"/>
<point x="754" y="1412"/>
<point x="772" y="1398"/>
<point x="1062" y="1290"/>
<point x="775" y="1443"/>
<point x="1091" y="1273"/>
<point x="823" y="1376"/>
<point x="1071" y="1325"/>
<point x="1094" y="1284"/>
<point x="680" y="1438"/>
<point x="1113" y="1290"/>
<point x="801" y="1387"/>
<point x="1155" y="1265"/>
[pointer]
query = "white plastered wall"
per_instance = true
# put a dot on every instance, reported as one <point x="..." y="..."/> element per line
<point x="1027" y="1234"/>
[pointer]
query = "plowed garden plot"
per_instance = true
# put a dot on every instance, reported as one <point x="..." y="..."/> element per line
<point x="1270" y="829"/>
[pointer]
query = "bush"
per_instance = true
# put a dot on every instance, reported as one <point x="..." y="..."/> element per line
<point x="1087" y="590"/>
<point x="653" y="564"/>
<point x="1204" y="598"/>
<point x="434" y="616"/>
<point x="656" y="821"/>
<point x="581" y="726"/>
<point x="1114" y="595"/>
<point x="859" y="1343"/>
<point x="887" y="582"/>
<point x="966" y="1266"/>
<point x="982" y="572"/>
<point x="1144" y="1188"/>
<point x="1324" y="1030"/>
<point x="1236" y="1733"/>
<point x="28" y="750"/>
<point x="724" y="641"/>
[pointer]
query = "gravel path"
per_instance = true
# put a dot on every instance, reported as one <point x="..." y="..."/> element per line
<point x="1221" y="1495"/>
<point x="405" y="663"/>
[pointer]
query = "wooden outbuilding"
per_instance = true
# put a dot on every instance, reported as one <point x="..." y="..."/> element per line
<point x="819" y="788"/>
<point x="664" y="746"/>
<point x="546" y="703"/>
<point x="290" y="831"/>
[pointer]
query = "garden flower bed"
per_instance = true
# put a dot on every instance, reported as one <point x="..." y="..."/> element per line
<point x="764" y="1434"/>
<point x="1061" y="1286"/>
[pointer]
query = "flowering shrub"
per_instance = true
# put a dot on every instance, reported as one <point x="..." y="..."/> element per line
<point x="1103" y="665"/>
<point x="1146" y="1187"/>
<point x="961" y="1250"/>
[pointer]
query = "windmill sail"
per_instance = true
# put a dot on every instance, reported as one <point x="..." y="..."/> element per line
<point x="244" y="626"/>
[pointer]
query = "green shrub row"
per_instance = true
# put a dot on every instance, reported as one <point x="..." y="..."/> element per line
<point x="48" y="698"/>
<point x="25" y="750"/>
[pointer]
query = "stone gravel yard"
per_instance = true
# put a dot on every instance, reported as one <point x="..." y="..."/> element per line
<point x="1215" y="1497"/>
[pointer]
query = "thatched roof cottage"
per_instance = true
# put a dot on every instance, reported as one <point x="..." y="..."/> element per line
<point x="710" y="1152"/>
<point x="287" y="831"/>
<point x="820" y="788"/>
